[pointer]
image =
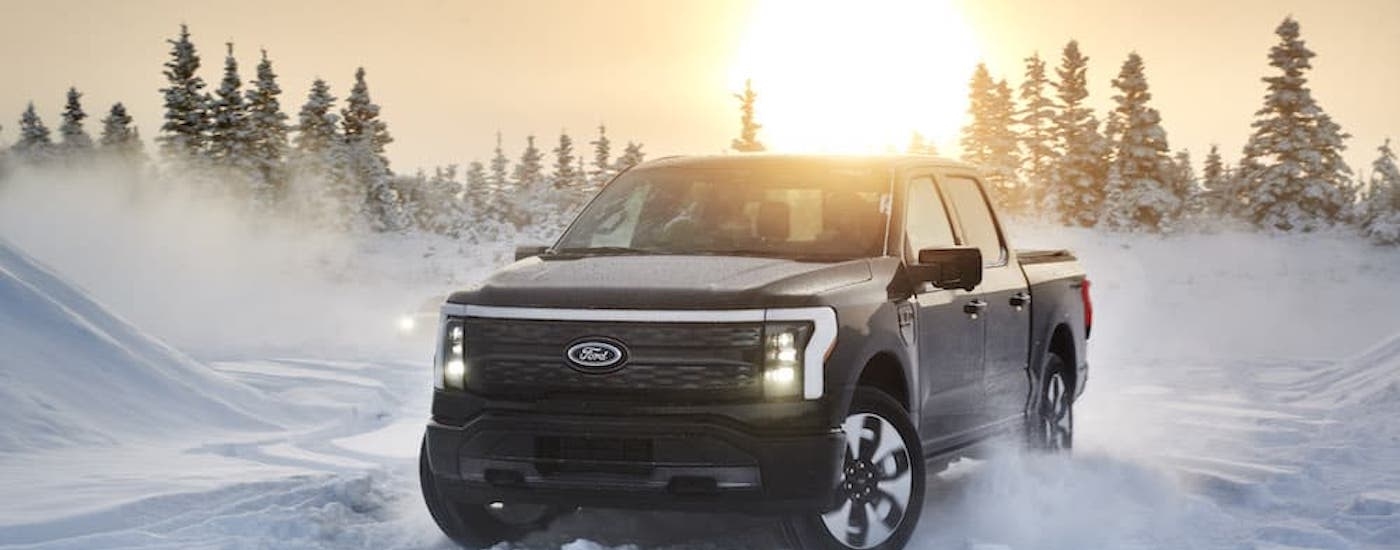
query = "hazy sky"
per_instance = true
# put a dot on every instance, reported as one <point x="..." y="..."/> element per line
<point x="448" y="74"/>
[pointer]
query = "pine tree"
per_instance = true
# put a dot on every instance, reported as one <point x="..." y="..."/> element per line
<point x="977" y="134"/>
<point x="529" y="171"/>
<point x="1294" y="174"/>
<point x="1380" y="213"/>
<point x="747" y="142"/>
<point x="632" y="155"/>
<point x="366" y="135"/>
<point x="565" y="173"/>
<point x="602" y="158"/>
<point x="322" y="186"/>
<point x="1184" y="183"/>
<point x="476" y="190"/>
<point x="267" y="128"/>
<point x="230" y="137"/>
<point x="120" y="140"/>
<point x="499" y="164"/>
<point x="1004" y="160"/>
<point x="1147" y="194"/>
<point x="316" y="124"/>
<point x="35" y="145"/>
<point x="186" y="119"/>
<point x="989" y="139"/>
<point x="76" y="144"/>
<point x="1036" y="123"/>
<point x="919" y="145"/>
<point x="1078" y="187"/>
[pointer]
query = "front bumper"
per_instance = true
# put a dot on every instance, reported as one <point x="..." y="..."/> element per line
<point x="650" y="462"/>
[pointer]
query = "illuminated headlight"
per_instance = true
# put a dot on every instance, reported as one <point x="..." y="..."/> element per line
<point x="451" y="371"/>
<point x="783" y="347"/>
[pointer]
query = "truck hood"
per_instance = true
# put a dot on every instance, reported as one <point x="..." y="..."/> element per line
<point x="662" y="282"/>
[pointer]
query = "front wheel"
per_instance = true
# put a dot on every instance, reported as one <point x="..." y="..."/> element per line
<point x="882" y="482"/>
<point x="473" y="524"/>
<point x="1050" y="424"/>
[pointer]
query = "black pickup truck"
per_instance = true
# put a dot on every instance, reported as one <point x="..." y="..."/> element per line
<point x="805" y="336"/>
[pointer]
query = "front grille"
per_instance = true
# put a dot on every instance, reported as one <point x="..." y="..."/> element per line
<point x="704" y="360"/>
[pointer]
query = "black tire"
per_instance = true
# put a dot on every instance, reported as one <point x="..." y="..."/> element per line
<point x="858" y="498"/>
<point x="472" y="524"/>
<point x="1050" y="422"/>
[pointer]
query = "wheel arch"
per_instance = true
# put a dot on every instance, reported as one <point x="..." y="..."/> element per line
<point x="1062" y="344"/>
<point x="885" y="372"/>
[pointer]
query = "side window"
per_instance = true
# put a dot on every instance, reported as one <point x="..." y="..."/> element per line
<point x="926" y="222"/>
<point x="975" y="217"/>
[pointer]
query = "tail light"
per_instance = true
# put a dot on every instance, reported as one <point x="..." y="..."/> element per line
<point x="1088" y="308"/>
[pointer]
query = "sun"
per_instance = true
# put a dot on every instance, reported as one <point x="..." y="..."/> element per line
<point x="857" y="77"/>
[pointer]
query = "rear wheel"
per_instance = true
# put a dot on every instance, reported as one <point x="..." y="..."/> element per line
<point x="882" y="482"/>
<point x="478" y="524"/>
<point x="1051" y="423"/>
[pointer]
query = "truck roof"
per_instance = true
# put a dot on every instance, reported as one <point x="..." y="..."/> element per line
<point x="888" y="161"/>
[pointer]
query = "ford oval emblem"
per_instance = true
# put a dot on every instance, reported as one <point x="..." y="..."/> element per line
<point x="596" y="356"/>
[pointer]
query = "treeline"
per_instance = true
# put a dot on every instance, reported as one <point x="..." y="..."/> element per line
<point x="327" y="166"/>
<point x="1046" y="151"/>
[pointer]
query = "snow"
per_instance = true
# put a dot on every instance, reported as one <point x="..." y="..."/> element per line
<point x="1242" y="394"/>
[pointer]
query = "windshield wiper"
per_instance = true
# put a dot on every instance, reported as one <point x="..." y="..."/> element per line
<point x="795" y="256"/>
<point x="600" y="251"/>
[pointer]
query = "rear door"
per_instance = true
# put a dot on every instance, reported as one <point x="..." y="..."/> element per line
<point x="950" y="342"/>
<point x="1006" y="380"/>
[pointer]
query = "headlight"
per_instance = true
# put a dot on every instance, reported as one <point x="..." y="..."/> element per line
<point x="450" y="370"/>
<point x="407" y="324"/>
<point x="783" y="347"/>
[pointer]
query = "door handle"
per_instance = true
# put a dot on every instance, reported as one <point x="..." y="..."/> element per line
<point x="1020" y="300"/>
<point x="975" y="308"/>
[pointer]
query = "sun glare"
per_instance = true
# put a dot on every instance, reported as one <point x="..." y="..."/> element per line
<point x="857" y="77"/>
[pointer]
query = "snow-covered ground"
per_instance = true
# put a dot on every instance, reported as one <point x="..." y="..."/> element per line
<point x="215" y="387"/>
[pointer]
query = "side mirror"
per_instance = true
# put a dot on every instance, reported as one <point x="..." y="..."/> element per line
<point x="529" y="251"/>
<point x="949" y="268"/>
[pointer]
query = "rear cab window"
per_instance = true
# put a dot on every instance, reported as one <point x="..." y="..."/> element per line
<point x="979" y="227"/>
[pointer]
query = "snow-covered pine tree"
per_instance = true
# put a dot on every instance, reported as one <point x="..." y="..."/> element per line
<point x="267" y="127"/>
<point x="230" y="134"/>
<point x="602" y="159"/>
<point x="1187" y="186"/>
<point x="1147" y="196"/>
<point x="120" y="140"/>
<point x="565" y="174"/>
<point x="322" y="187"/>
<point x="747" y="142"/>
<point x="1035" y="120"/>
<point x="529" y="171"/>
<point x="475" y="190"/>
<point x="977" y="134"/>
<point x="919" y="145"/>
<point x="76" y="144"/>
<point x="1004" y="156"/>
<point x="1294" y="174"/>
<point x="441" y="208"/>
<point x="366" y="135"/>
<point x="316" y="123"/>
<point x="1380" y="215"/>
<point x="1078" y="188"/>
<point x="1210" y="203"/>
<point x="35" y="145"/>
<point x="632" y="155"/>
<point x="186" y="119"/>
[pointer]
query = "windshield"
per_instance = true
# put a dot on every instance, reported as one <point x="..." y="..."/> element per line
<point x="823" y="213"/>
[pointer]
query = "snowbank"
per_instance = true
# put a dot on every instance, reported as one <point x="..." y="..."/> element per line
<point x="73" y="373"/>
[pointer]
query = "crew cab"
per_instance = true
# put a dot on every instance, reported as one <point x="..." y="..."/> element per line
<point x="804" y="336"/>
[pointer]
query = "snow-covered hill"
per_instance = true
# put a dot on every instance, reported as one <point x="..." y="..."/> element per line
<point x="72" y="373"/>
